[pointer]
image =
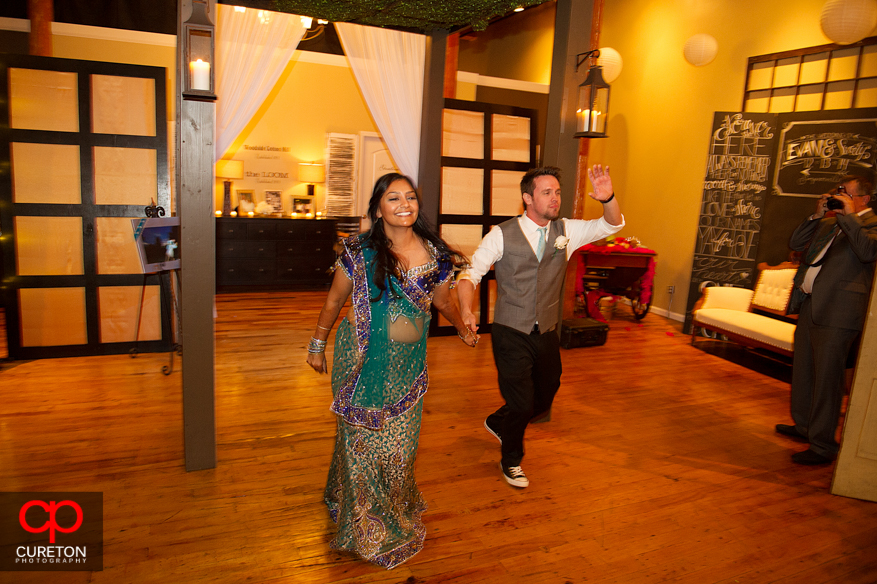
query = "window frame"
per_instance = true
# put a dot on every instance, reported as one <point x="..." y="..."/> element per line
<point x="800" y="54"/>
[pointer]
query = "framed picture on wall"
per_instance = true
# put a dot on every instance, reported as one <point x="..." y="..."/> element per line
<point x="246" y="201"/>
<point x="273" y="199"/>
<point x="302" y="205"/>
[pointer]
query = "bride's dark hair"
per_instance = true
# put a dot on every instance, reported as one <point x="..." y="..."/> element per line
<point x="386" y="261"/>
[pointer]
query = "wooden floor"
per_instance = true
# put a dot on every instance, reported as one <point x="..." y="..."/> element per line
<point x="660" y="465"/>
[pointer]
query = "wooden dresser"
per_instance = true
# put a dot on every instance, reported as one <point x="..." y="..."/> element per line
<point x="273" y="253"/>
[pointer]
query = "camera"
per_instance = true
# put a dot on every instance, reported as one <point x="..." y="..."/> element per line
<point x="833" y="204"/>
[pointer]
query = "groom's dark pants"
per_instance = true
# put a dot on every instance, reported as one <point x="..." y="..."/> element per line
<point x="529" y="368"/>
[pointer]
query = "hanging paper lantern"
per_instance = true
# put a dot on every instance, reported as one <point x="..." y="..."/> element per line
<point x="611" y="61"/>
<point x="848" y="21"/>
<point x="700" y="49"/>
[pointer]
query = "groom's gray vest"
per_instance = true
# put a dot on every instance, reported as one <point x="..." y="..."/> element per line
<point x="528" y="291"/>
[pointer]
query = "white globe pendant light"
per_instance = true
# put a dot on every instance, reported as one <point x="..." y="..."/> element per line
<point x="700" y="49"/>
<point x="611" y="61"/>
<point x="848" y="21"/>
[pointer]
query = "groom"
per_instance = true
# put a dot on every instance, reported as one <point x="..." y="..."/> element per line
<point x="529" y="254"/>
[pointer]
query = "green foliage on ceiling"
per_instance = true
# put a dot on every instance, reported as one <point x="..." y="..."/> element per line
<point x="422" y="15"/>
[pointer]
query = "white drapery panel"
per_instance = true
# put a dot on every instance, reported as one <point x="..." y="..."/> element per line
<point x="252" y="49"/>
<point x="389" y="69"/>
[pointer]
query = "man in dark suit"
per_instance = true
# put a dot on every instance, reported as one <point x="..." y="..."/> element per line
<point x="831" y="294"/>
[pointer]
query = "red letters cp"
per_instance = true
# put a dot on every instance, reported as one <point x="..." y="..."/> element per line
<point x="51" y="524"/>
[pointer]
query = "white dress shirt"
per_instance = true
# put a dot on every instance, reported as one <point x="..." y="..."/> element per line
<point x="579" y="232"/>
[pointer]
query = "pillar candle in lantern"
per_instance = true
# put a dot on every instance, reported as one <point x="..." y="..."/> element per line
<point x="200" y="72"/>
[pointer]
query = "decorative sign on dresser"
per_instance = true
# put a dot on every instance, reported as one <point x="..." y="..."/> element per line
<point x="273" y="253"/>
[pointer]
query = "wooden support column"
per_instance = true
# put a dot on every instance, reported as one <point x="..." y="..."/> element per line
<point x="572" y="26"/>
<point x="429" y="173"/>
<point x="194" y="202"/>
<point x="41" y="14"/>
<point x="578" y="211"/>
<point x="578" y="205"/>
<point x="452" y="56"/>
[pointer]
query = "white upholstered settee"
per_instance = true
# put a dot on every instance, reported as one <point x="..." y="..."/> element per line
<point x="750" y="317"/>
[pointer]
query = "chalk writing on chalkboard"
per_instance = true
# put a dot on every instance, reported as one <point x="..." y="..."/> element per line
<point x="742" y="147"/>
<point x="816" y="154"/>
<point x="737" y="175"/>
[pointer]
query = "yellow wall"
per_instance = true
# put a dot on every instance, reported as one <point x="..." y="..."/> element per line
<point x="662" y="109"/>
<point x="309" y="101"/>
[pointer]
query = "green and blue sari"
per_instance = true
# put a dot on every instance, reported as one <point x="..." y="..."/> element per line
<point x="379" y="378"/>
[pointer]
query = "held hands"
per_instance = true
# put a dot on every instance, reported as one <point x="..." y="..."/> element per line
<point x="602" y="183"/>
<point x="469" y="336"/>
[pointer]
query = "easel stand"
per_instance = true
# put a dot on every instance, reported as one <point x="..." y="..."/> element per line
<point x="170" y="310"/>
<point x="166" y="289"/>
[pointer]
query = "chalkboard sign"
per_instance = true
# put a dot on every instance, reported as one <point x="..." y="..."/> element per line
<point x="816" y="153"/>
<point x="738" y="177"/>
<point x="816" y="149"/>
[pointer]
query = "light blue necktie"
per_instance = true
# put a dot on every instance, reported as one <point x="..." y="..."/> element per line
<point x="540" y="247"/>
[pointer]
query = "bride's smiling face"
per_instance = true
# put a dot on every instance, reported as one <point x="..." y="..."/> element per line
<point x="399" y="205"/>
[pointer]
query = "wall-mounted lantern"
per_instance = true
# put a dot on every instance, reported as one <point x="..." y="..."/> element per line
<point x="592" y="111"/>
<point x="198" y="50"/>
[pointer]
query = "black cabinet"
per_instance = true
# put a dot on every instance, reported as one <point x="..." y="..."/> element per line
<point x="273" y="253"/>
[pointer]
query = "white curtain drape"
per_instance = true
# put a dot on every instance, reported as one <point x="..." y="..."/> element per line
<point x="389" y="67"/>
<point x="252" y="49"/>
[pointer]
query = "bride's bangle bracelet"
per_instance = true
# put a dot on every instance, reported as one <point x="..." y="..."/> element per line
<point x="316" y="346"/>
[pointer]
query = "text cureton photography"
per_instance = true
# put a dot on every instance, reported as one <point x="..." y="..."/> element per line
<point x="51" y="554"/>
<point x="51" y="531"/>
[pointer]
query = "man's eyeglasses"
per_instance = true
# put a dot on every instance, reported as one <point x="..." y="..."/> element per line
<point x="842" y="190"/>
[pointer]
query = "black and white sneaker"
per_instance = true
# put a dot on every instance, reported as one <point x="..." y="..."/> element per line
<point x="493" y="431"/>
<point x="514" y="476"/>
